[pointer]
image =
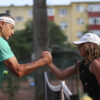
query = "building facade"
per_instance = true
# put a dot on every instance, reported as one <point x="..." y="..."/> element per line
<point x="73" y="19"/>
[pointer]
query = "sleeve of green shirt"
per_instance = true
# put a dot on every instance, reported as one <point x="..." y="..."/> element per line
<point x="5" y="51"/>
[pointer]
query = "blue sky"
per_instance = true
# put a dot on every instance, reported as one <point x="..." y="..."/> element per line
<point x="30" y="2"/>
<point x="15" y="2"/>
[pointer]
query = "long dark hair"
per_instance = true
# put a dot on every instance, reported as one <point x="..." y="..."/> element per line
<point x="92" y="51"/>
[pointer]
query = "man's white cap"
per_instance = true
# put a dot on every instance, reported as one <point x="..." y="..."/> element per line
<point x="88" y="37"/>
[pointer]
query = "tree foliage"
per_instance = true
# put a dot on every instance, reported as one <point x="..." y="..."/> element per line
<point x="56" y="35"/>
<point x="22" y="42"/>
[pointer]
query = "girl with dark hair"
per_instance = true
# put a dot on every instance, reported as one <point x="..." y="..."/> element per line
<point x="88" y="68"/>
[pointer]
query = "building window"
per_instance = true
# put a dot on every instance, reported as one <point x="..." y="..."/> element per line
<point x="30" y="13"/>
<point x="94" y="7"/>
<point x="63" y="25"/>
<point x="62" y="12"/>
<point x="19" y="18"/>
<point x="95" y="32"/>
<point x="50" y="11"/>
<point x="80" y="21"/>
<point x="79" y="34"/>
<point x="95" y="20"/>
<point x="80" y="8"/>
<point x="91" y="21"/>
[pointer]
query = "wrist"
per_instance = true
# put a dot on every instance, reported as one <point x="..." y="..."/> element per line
<point x="42" y="62"/>
<point x="50" y="64"/>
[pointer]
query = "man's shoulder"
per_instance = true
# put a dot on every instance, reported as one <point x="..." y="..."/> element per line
<point x="2" y="39"/>
<point x="3" y="43"/>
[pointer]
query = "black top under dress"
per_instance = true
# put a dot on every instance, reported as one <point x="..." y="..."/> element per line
<point x="88" y="79"/>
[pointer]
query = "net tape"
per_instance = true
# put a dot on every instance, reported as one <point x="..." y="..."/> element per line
<point x="53" y="88"/>
<point x="58" y="87"/>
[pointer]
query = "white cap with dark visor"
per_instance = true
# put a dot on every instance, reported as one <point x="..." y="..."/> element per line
<point x="8" y="20"/>
<point x="88" y="37"/>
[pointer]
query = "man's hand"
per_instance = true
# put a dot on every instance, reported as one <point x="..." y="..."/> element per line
<point x="46" y="57"/>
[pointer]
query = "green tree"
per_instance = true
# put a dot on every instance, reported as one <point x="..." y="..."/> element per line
<point x="56" y="35"/>
<point x="22" y="42"/>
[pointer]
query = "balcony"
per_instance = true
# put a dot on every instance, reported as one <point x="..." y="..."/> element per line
<point x="51" y="18"/>
<point x="94" y="14"/>
<point x="94" y="27"/>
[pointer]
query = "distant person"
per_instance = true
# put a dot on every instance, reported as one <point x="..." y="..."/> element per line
<point x="88" y="68"/>
<point x="7" y="57"/>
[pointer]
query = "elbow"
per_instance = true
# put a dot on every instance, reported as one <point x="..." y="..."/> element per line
<point x="18" y="74"/>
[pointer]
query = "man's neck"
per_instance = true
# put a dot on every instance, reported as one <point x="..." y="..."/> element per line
<point x="0" y="34"/>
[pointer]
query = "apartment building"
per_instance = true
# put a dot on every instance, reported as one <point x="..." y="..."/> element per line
<point x="73" y="18"/>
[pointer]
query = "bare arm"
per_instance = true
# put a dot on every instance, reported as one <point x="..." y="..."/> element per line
<point x="62" y="74"/>
<point x="24" y="69"/>
<point x="59" y="73"/>
<point x="95" y="69"/>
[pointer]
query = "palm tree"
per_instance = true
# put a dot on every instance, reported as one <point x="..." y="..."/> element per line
<point x="41" y="42"/>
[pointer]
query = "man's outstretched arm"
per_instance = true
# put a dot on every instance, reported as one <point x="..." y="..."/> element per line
<point x="24" y="69"/>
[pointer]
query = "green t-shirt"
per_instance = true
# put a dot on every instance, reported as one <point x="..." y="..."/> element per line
<point x="5" y="53"/>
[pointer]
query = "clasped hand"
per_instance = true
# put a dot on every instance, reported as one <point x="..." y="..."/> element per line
<point x="46" y="56"/>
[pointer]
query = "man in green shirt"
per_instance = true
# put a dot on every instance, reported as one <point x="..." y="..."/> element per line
<point x="7" y="58"/>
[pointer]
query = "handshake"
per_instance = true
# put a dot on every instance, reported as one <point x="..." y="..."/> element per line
<point x="46" y="57"/>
